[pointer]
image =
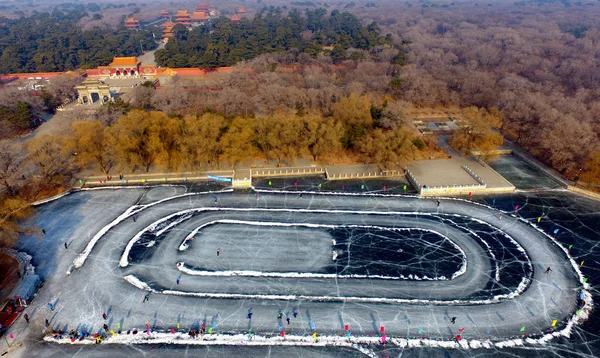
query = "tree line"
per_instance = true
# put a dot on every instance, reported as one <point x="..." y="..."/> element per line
<point x="49" y="42"/>
<point x="223" y="42"/>
<point x="141" y="139"/>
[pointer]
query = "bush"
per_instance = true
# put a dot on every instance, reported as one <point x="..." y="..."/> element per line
<point x="417" y="142"/>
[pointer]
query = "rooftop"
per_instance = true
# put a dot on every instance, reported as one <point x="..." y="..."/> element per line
<point x="200" y="15"/>
<point x="125" y="61"/>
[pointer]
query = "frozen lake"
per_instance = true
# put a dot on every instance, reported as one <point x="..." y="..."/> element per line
<point x="395" y="258"/>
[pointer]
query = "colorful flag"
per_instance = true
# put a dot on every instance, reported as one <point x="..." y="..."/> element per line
<point x="522" y="329"/>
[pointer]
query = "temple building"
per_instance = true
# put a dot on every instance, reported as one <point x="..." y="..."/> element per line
<point x="164" y="14"/>
<point x="132" y="23"/>
<point x="183" y="17"/>
<point x="241" y="10"/>
<point x="168" y="33"/>
<point x="235" y="18"/>
<point x="122" y="67"/>
<point x="201" y="14"/>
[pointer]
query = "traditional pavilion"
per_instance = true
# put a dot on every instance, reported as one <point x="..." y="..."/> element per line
<point x="132" y="23"/>
<point x="167" y="24"/>
<point x="164" y="14"/>
<point x="201" y="14"/>
<point x="235" y="18"/>
<point x="183" y="17"/>
<point x="241" y="10"/>
<point x="168" y="33"/>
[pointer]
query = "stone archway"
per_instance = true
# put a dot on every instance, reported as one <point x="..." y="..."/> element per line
<point x="92" y="91"/>
<point x="94" y="97"/>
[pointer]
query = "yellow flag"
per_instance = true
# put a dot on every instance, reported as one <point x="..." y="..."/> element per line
<point x="553" y="323"/>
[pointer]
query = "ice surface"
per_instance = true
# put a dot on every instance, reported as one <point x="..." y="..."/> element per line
<point x="224" y="300"/>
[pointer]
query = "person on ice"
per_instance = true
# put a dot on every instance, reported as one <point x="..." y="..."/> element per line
<point x="105" y="327"/>
<point x="26" y="318"/>
<point x="178" y="278"/>
<point x="66" y="245"/>
<point x="51" y="306"/>
<point x="216" y="199"/>
<point x="218" y="252"/>
<point x="453" y="320"/>
<point x="288" y="320"/>
<point x="104" y="315"/>
<point x="438" y="203"/>
<point x="295" y="314"/>
<point x="47" y="323"/>
<point x="280" y="316"/>
<point x="548" y="270"/>
<point x="146" y="297"/>
<point x="249" y="315"/>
